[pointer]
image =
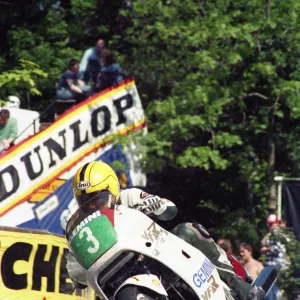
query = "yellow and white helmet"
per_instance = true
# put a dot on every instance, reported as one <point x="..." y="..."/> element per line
<point x="92" y="179"/>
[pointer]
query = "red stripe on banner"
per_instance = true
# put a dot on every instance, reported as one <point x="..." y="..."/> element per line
<point x="124" y="82"/>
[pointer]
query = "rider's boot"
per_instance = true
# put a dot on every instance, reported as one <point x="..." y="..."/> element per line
<point x="196" y="235"/>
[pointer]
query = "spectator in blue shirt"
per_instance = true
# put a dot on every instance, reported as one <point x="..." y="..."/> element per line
<point x="111" y="73"/>
<point x="91" y="64"/>
<point x="70" y="86"/>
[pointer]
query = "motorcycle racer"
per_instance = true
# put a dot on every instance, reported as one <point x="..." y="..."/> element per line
<point x="96" y="181"/>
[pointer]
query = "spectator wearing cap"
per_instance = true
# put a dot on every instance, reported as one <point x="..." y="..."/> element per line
<point x="8" y="130"/>
<point x="273" y="244"/>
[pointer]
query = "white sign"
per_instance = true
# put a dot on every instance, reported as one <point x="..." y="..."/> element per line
<point x="85" y="129"/>
<point x="46" y="208"/>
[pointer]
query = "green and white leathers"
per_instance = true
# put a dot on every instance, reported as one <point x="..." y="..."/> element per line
<point x="83" y="224"/>
<point x="110" y="222"/>
<point x="97" y="240"/>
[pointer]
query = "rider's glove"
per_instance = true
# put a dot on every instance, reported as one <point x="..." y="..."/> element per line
<point x="78" y="285"/>
<point x="153" y="205"/>
<point x="76" y="272"/>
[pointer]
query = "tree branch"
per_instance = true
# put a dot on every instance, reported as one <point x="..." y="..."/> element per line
<point x="256" y="95"/>
<point x="268" y="9"/>
<point x="258" y="45"/>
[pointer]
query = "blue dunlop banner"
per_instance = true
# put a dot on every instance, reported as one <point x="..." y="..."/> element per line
<point x="291" y="204"/>
<point x="52" y="213"/>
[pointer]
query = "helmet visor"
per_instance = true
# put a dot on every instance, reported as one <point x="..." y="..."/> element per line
<point x="91" y="202"/>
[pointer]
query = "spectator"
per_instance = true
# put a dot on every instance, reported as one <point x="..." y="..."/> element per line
<point x="111" y="72"/>
<point x="91" y="62"/>
<point x="8" y="130"/>
<point x="252" y="265"/>
<point x="273" y="244"/>
<point x="70" y="86"/>
<point x="226" y="245"/>
<point x="282" y="223"/>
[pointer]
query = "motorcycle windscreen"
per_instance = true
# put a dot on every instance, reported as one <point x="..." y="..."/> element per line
<point x="92" y="236"/>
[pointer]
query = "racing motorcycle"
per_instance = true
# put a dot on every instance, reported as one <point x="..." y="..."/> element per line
<point x="128" y="256"/>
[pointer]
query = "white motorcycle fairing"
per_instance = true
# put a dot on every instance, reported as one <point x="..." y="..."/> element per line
<point x="137" y="233"/>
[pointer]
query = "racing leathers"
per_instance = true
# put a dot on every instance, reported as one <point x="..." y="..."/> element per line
<point x="193" y="233"/>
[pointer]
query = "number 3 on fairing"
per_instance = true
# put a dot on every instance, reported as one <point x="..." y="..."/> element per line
<point x="90" y="238"/>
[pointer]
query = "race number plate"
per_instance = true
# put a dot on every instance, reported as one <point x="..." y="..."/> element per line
<point x="91" y="238"/>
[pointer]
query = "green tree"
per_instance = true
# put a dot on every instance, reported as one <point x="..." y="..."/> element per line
<point x="24" y="77"/>
<point x="209" y="75"/>
<point x="220" y="82"/>
<point x="288" y="278"/>
<point x="50" y="33"/>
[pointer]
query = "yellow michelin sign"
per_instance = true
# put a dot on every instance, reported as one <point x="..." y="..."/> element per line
<point x="33" y="267"/>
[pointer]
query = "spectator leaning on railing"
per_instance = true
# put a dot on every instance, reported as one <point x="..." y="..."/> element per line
<point x="70" y="86"/>
<point x="8" y="130"/>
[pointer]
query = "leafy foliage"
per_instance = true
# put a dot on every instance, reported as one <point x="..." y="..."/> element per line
<point x="219" y="71"/>
<point x="221" y="91"/>
<point x="22" y="77"/>
<point x="219" y="81"/>
<point x="50" y="33"/>
<point x="289" y="277"/>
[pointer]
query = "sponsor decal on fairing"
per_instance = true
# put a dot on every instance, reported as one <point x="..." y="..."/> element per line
<point x="211" y="289"/>
<point x="83" y="223"/>
<point x="203" y="273"/>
